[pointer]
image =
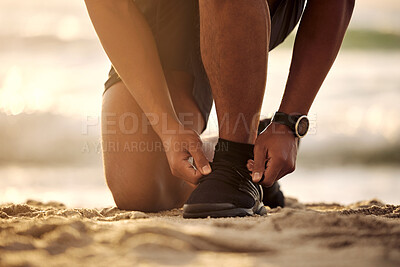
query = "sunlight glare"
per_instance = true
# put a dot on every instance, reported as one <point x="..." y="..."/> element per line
<point x="11" y="101"/>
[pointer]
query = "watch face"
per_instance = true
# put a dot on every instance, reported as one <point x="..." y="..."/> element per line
<point x="302" y="126"/>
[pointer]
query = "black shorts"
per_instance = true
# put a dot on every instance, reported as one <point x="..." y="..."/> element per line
<point x="175" y="26"/>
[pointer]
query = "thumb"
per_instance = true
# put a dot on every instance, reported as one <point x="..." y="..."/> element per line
<point x="200" y="160"/>
<point x="188" y="173"/>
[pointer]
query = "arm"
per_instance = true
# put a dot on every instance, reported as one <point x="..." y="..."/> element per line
<point x="318" y="40"/>
<point x="128" y="41"/>
<point x="317" y="44"/>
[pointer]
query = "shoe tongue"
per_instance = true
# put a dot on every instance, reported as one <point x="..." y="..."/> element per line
<point x="233" y="152"/>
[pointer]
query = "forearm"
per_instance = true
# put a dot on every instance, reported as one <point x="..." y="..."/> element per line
<point x="129" y="44"/>
<point x="318" y="41"/>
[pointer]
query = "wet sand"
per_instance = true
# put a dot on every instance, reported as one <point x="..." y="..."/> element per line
<point x="50" y="234"/>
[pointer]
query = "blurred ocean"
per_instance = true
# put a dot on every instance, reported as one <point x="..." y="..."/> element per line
<point x="51" y="81"/>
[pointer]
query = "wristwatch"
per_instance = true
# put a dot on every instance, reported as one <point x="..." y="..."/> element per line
<point x="299" y="124"/>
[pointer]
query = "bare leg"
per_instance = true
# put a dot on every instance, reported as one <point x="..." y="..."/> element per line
<point x="136" y="168"/>
<point x="234" y="45"/>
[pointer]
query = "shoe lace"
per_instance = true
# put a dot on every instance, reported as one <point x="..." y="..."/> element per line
<point x="240" y="177"/>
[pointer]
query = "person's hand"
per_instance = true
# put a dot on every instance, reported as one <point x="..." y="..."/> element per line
<point x="180" y="148"/>
<point x="277" y="147"/>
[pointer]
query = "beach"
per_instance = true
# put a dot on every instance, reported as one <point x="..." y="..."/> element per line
<point x="56" y="208"/>
<point x="320" y="234"/>
<point x="52" y="80"/>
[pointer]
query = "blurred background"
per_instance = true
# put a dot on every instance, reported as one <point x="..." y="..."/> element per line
<point x="52" y="73"/>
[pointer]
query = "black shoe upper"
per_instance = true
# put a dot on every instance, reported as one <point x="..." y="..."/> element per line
<point x="229" y="181"/>
<point x="227" y="184"/>
<point x="273" y="196"/>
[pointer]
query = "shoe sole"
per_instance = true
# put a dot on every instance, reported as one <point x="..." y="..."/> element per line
<point x="220" y="210"/>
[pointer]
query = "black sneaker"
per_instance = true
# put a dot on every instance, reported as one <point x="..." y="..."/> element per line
<point x="273" y="196"/>
<point x="228" y="190"/>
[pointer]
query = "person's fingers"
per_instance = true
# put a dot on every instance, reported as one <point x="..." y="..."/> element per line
<point x="200" y="160"/>
<point x="186" y="171"/>
<point x="181" y="166"/>
<point x="259" y="163"/>
<point x="250" y="165"/>
<point x="289" y="169"/>
<point x="271" y="173"/>
<point x="280" y="175"/>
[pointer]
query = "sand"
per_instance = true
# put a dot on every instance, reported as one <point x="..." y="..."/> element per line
<point x="50" y="234"/>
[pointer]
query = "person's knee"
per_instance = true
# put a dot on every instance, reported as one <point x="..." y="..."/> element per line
<point x="131" y="203"/>
<point x="129" y="194"/>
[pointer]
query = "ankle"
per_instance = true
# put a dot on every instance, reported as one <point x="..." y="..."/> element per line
<point x="245" y="138"/>
<point x="233" y="152"/>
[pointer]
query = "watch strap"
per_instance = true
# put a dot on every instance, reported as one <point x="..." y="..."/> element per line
<point x="286" y="119"/>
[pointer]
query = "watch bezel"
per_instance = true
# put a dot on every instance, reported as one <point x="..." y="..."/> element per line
<point x="296" y="126"/>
